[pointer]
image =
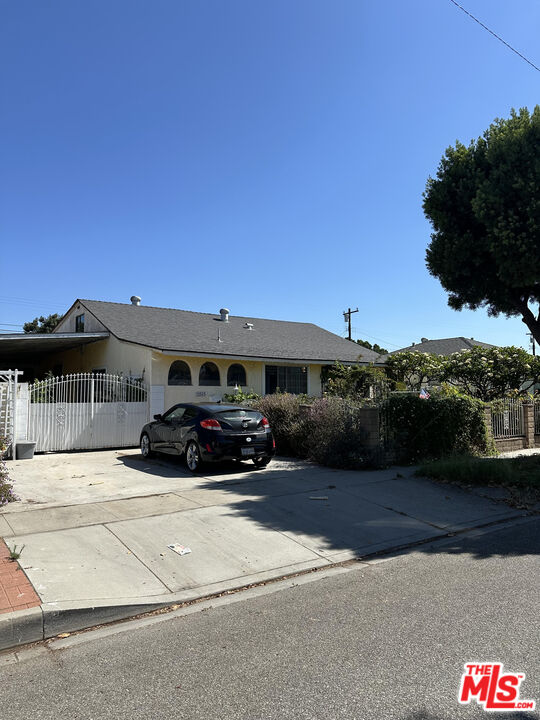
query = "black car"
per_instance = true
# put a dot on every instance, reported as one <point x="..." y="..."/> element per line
<point x="210" y="432"/>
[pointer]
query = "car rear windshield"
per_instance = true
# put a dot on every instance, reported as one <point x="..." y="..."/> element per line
<point x="239" y="419"/>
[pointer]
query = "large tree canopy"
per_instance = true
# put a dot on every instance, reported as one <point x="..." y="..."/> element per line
<point x="484" y="373"/>
<point x="413" y="368"/>
<point x="484" y="206"/>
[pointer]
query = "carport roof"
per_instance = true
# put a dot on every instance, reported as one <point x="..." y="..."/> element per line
<point x="18" y="345"/>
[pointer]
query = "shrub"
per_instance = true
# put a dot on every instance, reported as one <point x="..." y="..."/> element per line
<point x="336" y="438"/>
<point x="240" y="397"/>
<point x="6" y="486"/>
<point x="329" y="433"/>
<point x="419" y="429"/>
<point x="286" y="420"/>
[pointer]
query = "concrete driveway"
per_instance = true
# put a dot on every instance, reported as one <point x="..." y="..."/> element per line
<point x="96" y="526"/>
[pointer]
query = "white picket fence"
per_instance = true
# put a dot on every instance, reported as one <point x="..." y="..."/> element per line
<point x="86" y="411"/>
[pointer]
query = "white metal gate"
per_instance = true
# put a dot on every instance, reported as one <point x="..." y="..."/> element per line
<point x="86" y="411"/>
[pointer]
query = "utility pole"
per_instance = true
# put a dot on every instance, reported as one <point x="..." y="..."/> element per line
<point x="532" y="342"/>
<point x="347" y="315"/>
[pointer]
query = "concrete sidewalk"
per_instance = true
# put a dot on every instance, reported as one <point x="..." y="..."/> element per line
<point x="105" y="556"/>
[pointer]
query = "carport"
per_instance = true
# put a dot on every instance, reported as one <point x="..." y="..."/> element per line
<point x="25" y="357"/>
<point x="33" y="352"/>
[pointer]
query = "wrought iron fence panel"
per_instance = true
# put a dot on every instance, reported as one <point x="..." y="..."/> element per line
<point x="537" y="417"/>
<point x="507" y="418"/>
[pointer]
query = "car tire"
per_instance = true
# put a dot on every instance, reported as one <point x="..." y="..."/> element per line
<point x="261" y="462"/>
<point x="146" y="448"/>
<point x="193" y="457"/>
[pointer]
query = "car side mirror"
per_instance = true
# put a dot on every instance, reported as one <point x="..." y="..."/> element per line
<point x="159" y="416"/>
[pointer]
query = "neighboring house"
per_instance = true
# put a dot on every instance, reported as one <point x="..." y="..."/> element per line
<point x="182" y="355"/>
<point x="443" y="346"/>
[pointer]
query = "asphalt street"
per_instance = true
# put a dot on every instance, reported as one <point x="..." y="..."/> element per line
<point x="385" y="640"/>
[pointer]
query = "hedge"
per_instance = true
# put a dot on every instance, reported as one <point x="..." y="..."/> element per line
<point x="419" y="429"/>
<point x="329" y="434"/>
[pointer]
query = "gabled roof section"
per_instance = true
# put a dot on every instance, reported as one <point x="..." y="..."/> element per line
<point x="172" y="330"/>
<point x="444" y="346"/>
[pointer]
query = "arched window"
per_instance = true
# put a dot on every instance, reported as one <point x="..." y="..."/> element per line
<point x="236" y="375"/>
<point x="179" y="373"/>
<point x="209" y="374"/>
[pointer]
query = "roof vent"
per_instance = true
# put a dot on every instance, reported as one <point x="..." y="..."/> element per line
<point x="248" y="326"/>
<point x="424" y="340"/>
<point x="135" y="300"/>
<point x="224" y="312"/>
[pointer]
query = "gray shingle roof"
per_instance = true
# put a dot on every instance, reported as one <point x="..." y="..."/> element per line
<point x="186" y="331"/>
<point x="444" y="346"/>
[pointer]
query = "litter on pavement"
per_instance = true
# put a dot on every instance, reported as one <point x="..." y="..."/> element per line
<point x="180" y="549"/>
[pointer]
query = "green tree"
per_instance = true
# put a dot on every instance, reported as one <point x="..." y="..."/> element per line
<point x="413" y="368"/>
<point x="42" y="324"/>
<point x="354" y="381"/>
<point x="491" y="373"/>
<point x="375" y="347"/>
<point x="484" y="207"/>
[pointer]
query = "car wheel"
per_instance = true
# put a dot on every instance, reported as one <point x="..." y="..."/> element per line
<point x="261" y="462"/>
<point x="146" y="450"/>
<point x="193" y="456"/>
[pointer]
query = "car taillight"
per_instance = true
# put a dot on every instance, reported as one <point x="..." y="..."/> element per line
<point x="210" y="424"/>
<point x="265" y="424"/>
<point x="273" y="443"/>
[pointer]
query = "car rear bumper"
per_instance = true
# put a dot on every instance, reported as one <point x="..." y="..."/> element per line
<point x="226" y="449"/>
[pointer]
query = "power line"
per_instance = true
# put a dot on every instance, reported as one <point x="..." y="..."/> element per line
<point x="10" y="300"/>
<point x="373" y="337"/>
<point x="495" y="35"/>
<point x="358" y="331"/>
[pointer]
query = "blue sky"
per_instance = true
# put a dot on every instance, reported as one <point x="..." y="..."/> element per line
<point x="266" y="157"/>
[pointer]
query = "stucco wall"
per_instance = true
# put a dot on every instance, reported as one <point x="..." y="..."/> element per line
<point x="111" y="354"/>
<point x="116" y="356"/>
<point x="194" y="392"/>
<point x="314" y="387"/>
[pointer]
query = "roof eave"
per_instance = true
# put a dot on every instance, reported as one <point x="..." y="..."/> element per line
<point x="258" y="358"/>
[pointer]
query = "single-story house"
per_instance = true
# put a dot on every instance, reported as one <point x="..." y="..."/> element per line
<point x="182" y="355"/>
<point x="442" y="346"/>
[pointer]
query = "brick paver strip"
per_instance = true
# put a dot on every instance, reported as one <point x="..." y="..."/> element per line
<point x="16" y="590"/>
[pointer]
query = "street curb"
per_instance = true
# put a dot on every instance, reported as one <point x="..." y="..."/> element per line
<point x="70" y="620"/>
<point x="20" y="627"/>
